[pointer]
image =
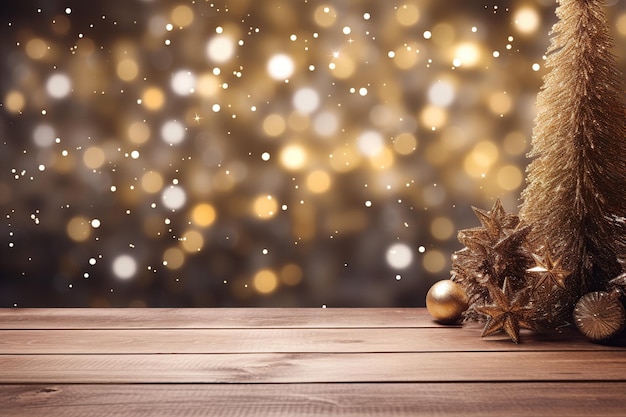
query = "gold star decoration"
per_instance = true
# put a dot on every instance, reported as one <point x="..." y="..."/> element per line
<point x="496" y="220"/>
<point x="497" y="246"/>
<point x="494" y="252"/>
<point x="507" y="314"/>
<point x="549" y="270"/>
<point x="496" y="224"/>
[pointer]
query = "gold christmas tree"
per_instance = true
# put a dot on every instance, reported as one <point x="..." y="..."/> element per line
<point x="528" y="271"/>
<point x="574" y="199"/>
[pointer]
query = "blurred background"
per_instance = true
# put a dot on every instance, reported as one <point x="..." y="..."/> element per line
<point x="258" y="153"/>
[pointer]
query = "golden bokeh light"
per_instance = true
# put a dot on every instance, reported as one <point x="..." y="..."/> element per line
<point x="405" y="143"/>
<point x="207" y="85"/>
<point x="182" y="16"/>
<point x="405" y="57"/>
<point x="192" y="241"/>
<point x="298" y="122"/>
<point x="264" y="207"/>
<point x="14" y="101"/>
<point x="152" y="182"/>
<point x="342" y="66"/>
<point x="510" y="177"/>
<point x="265" y="281"/>
<point x="293" y="157"/>
<point x="94" y="157"/>
<point x="407" y="14"/>
<point x="526" y="20"/>
<point x="500" y="103"/>
<point x="433" y="116"/>
<point x="480" y="159"/>
<point x="291" y="274"/>
<point x="434" y="261"/>
<point x="78" y="229"/>
<point x="153" y="98"/>
<point x="442" y="228"/>
<point x="466" y="54"/>
<point x="318" y="181"/>
<point x="382" y="160"/>
<point x="515" y="143"/>
<point x="325" y="16"/>
<point x="345" y="158"/>
<point x="443" y="35"/>
<point x="36" y="48"/>
<point x="203" y="215"/>
<point x="138" y="132"/>
<point x="127" y="69"/>
<point x="274" y="125"/>
<point x="173" y="258"/>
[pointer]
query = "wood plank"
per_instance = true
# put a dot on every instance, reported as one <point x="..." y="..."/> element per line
<point x="279" y="340"/>
<point x="300" y="368"/>
<point x="296" y="400"/>
<point x="202" y="318"/>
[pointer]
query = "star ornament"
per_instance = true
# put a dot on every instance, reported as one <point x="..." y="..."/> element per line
<point x="500" y="231"/>
<point x="507" y="314"/>
<point x="496" y="222"/>
<point x="550" y="271"/>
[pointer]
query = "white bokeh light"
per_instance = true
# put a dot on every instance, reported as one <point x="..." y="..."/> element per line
<point x="280" y="66"/>
<point x="326" y="124"/>
<point x="370" y="143"/>
<point x="527" y="20"/>
<point x="58" y="86"/>
<point x="399" y="256"/>
<point x="124" y="266"/>
<point x="441" y="94"/>
<point x="173" y="132"/>
<point x="220" y="48"/>
<point x="44" y="135"/>
<point x="306" y="100"/>
<point x="174" y="197"/>
<point x="183" y="82"/>
<point x="156" y="25"/>
<point x="466" y="54"/>
<point x="293" y="157"/>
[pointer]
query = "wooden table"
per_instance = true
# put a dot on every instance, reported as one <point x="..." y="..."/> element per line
<point x="293" y="362"/>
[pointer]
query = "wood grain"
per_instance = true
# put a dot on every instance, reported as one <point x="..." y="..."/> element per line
<point x="295" y="368"/>
<point x="158" y="318"/>
<point x="295" y="400"/>
<point x="279" y="340"/>
<point x="294" y="362"/>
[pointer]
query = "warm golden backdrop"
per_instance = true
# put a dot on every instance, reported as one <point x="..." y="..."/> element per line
<point x="283" y="153"/>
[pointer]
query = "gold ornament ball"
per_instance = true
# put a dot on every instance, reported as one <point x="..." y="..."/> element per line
<point x="600" y="315"/>
<point x="446" y="301"/>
